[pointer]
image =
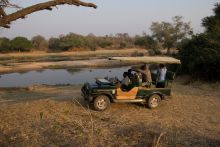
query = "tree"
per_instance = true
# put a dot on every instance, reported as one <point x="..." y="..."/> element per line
<point x="53" y="44"/>
<point x="200" y="56"/>
<point x="169" y="34"/>
<point x="39" y="42"/>
<point x="6" y="19"/>
<point x="5" y="45"/>
<point x="212" y="23"/>
<point x="146" y="41"/>
<point x="21" y="44"/>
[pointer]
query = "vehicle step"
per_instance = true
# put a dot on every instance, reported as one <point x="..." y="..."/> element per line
<point x="129" y="101"/>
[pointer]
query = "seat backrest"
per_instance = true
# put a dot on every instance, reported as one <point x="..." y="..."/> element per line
<point x="169" y="78"/>
<point x="154" y="78"/>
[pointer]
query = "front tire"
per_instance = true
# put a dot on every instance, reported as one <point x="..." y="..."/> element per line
<point x="154" y="101"/>
<point x="101" y="103"/>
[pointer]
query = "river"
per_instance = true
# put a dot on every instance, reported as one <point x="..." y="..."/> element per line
<point x="58" y="76"/>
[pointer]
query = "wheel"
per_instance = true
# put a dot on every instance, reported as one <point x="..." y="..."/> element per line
<point x="154" y="101"/>
<point x="101" y="103"/>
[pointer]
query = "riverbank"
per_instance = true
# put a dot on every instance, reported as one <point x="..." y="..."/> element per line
<point x="58" y="116"/>
<point x="20" y="62"/>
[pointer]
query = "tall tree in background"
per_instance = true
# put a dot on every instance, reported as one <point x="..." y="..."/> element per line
<point x="212" y="23"/>
<point x="169" y="34"/>
<point x="200" y="56"/>
<point x="6" y="19"/>
<point x="39" y="42"/>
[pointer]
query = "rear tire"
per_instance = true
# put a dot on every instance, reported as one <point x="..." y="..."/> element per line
<point x="154" y="101"/>
<point x="101" y="103"/>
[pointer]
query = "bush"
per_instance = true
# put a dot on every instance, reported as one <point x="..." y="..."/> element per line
<point x="122" y="45"/>
<point x="147" y="42"/>
<point x="21" y="44"/>
<point x="53" y="44"/>
<point x="154" y="52"/>
<point x="71" y="41"/>
<point x="39" y="42"/>
<point x="137" y="54"/>
<point x="104" y="42"/>
<point x="200" y="57"/>
<point x="5" y="45"/>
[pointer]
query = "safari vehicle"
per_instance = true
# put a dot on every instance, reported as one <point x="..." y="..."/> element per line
<point x="105" y="91"/>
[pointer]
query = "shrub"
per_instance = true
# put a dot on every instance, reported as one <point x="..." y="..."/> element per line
<point x="104" y="42"/>
<point x="5" y="45"/>
<point x="154" y="52"/>
<point x="39" y="42"/>
<point x="200" y="57"/>
<point x="53" y="44"/>
<point x="21" y="44"/>
<point x="122" y="45"/>
<point x="147" y="42"/>
<point x="137" y="54"/>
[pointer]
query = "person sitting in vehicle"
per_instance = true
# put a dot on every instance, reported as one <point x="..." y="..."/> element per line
<point x="130" y="74"/>
<point x="161" y="76"/>
<point x="125" y="81"/>
<point x="146" y="75"/>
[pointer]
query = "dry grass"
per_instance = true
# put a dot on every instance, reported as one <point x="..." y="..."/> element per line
<point x="48" y="116"/>
<point x="75" y="53"/>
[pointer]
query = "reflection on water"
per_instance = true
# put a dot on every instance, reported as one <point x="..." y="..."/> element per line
<point x="58" y="76"/>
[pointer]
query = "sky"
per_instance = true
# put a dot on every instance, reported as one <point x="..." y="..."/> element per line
<point x="112" y="16"/>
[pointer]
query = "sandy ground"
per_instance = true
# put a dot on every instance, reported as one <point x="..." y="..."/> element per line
<point x="48" y="116"/>
<point x="27" y="66"/>
<point x="19" y="62"/>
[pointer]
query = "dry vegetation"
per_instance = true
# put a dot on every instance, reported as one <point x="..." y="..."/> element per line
<point x="48" y="116"/>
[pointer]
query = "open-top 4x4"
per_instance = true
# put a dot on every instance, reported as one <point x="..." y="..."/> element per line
<point x="104" y="91"/>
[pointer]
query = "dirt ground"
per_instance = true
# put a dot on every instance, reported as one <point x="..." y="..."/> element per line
<point x="49" y="116"/>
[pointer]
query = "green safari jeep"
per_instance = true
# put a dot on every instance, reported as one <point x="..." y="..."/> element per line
<point x="106" y="91"/>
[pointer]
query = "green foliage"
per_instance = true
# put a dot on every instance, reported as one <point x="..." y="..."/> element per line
<point x="71" y="41"/>
<point x="21" y="44"/>
<point x="169" y="34"/>
<point x="39" y="42"/>
<point x="122" y="45"/>
<point x="154" y="52"/>
<point x="147" y="42"/>
<point x="5" y="45"/>
<point x="200" y="56"/>
<point x="212" y="24"/>
<point x="104" y="42"/>
<point x="53" y="44"/>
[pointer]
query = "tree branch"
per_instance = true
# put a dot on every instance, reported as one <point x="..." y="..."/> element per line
<point x="5" y="20"/>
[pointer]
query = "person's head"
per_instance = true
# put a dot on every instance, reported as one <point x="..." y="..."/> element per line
<point x="129" y="71"/>
<point x="125" y="74"/>
<point x="143" y="67"/>
<point x="161" y="66"/>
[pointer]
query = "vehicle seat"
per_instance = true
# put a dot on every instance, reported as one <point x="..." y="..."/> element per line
<point x="169" y="78"/>
<point x="154" y="78"/>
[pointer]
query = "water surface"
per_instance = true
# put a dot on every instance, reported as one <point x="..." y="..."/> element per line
<point x="58" y="76"/>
